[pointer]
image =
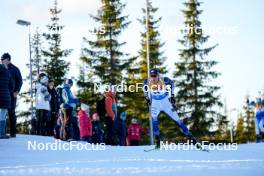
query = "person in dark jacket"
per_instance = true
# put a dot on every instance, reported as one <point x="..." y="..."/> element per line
<point x="54" y="107"/>
<point x="111" y="114"/>
<point x="120" y="129"/>
<point x="17" y="79"/>
<point x="6" y="85"/>
<point x="98" y="132"/>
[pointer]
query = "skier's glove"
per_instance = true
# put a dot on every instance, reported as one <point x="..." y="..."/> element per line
<point x="172" y="100"/>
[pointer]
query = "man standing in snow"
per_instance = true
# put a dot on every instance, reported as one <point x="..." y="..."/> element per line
<point x="6" y="86"/>
<point x="159" y="94"/>
<point x="17" y="80"/>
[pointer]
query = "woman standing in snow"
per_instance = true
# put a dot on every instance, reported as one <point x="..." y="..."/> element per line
<point x="42" y="105"/>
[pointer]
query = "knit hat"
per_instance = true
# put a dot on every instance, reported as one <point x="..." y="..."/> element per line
<point x="6" y="56"/>
<point x="134" y="121"/>
<point x="84" y="107"/>
<point x="123" y="115"/>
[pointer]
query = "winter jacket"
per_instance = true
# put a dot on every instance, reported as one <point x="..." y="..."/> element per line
<point x="85" y="124"/>
<point x="42" y="97"/>
<point x="110" y="105"/>
<point x="16" y="76"/>
<point x="135" y="131"/>
<point x="68" y="99"/>
<point x="6" y="86"/>
<point x="54" y="102"/>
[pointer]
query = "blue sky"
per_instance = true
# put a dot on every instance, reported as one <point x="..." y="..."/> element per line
<point x="240" y="52"/>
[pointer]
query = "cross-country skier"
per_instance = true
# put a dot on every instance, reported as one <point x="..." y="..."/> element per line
<point x="159" y="94"/>
<point x="259" y="118"/>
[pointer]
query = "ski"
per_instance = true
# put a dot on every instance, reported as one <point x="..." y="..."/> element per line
<point x="149" y="150"/>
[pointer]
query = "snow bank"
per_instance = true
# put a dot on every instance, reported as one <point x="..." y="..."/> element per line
<point x="16" y="159"/>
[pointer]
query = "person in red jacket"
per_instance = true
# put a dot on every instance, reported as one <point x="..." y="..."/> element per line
<point x="111" y="114"/>
<point x="85" y="123"/>
<point x="134" y="133"/>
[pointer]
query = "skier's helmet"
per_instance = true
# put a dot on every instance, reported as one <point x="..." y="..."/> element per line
<point x="154" y="72"/>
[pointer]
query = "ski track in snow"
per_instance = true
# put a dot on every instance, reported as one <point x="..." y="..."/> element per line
<point x="15" y="159"/>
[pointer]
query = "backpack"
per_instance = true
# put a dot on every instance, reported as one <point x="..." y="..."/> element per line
<point x="100" y="108"/>
<point x="59" y="92"/>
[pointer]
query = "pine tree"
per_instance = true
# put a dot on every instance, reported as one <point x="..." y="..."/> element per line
<point x="102" y="58"/>
<point x="107" y="60"/>
<point x="222" y="132"/>
<point x="196" y="98"/>
<point x="55" y="66"/>
<point x="86" y="82"/>
<point x="36" y="62"/>
<point x="240" y="131"/>
<point x="136" y="104"/>
<point x="249" y="121"/>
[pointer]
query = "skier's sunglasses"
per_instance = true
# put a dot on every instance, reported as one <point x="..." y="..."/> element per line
<point x="153" y="76"/>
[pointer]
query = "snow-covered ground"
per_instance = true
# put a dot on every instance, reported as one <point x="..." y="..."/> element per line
<point x="16" y="159"/>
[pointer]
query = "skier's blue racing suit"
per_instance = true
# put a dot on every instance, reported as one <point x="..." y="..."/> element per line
<point x="159" y="95"/>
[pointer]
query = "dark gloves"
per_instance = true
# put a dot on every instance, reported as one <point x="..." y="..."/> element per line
<point x="172" y="100"/>
<point x="148" y="101"/>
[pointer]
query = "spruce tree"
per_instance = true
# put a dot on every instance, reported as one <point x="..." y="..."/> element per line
<point x="196" y="97"/>
<point x="138" y="70"/>
<point x="249" y="121"/>
<point x="54" y="64"/>
<point x="36" y="62"/>
<point x="240" y="131"/>
<point x="103" y="60"/>
<point x="104" y="54"/>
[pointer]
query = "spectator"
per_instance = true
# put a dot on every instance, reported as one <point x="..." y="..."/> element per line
<point x="98" y="132"/>
<point x="33" y="129"/>
<point x="134" y="133"/>
<point x="6" y="86"/>
<point x="120" y="129"/>
<point x="17" y="79"/>
<point x="70" y="125"/>
<point x="85" y="123"/>
<point x="42" y="106"/>
<point x="54" y="107"/>
<point x="111" y="114"/>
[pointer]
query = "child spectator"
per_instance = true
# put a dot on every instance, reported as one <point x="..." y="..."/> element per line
<point x="98" y="132"/>
<point x="121" y="129"/>
<point x="85" y="123"/>
<point x="134" y="132"/>
<point x="42" y="106"/>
